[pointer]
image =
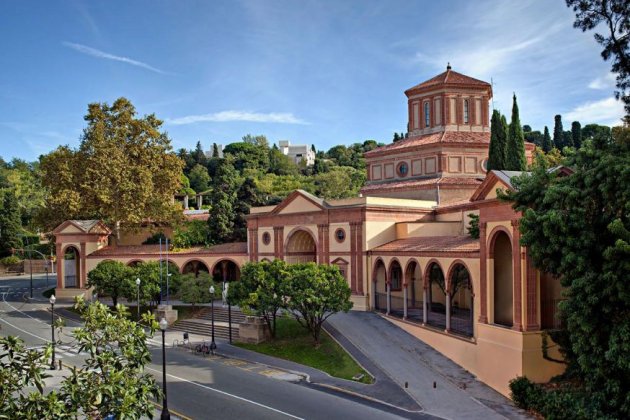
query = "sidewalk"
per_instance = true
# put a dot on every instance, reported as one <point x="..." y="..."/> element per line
<point x="406" y="359"/>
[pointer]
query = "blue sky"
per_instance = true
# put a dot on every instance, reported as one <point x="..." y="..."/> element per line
<point x="314" y="72"/>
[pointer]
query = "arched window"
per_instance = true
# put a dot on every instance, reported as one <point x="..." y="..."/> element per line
<point x="465" y="111"/>
<point x="460" y="294"/>
<point x="436" y="304"/>
<point x="427" y="115"/>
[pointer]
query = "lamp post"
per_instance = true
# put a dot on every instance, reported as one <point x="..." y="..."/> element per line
<point x="166" y="415"/>
<point x="213" y="345"/>
<point x="168" y="275"/>
<point x="46" y="275"/>
<point x="52" y="326"/>
<point x="138" y="289"/>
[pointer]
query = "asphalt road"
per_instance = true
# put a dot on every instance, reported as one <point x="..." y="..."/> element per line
<point x="197" y="388"/>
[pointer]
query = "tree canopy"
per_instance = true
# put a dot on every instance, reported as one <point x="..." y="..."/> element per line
<point x="577" y="228"/>
<point x="124" y="171"/>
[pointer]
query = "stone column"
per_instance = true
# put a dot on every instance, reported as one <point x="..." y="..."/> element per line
<point x="82" y="278"/>
<point x="186" y="202"/>
<point x="425" y="304"/>
<point x="448" y="311"/>
<point x="389" y="295"/>
<point x="360" y="258"/>
<point x="532" y="294"/>
<point x="199" y="201"/>
<point x="60" y="268"/>
<point x="353" y="258"/>
<point x="278" y="232"/>
<point x="405" y="301"/>
<point x="516" y="255"/>
<point x="483" y="274"/>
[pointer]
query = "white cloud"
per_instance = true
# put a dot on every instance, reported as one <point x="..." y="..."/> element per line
<point x="606" y="82"/>
<point x="605" y="111"/>
<point x="228" y="116"/>
<point x="102" y="54"/>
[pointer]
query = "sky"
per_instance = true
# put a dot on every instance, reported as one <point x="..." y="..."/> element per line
<point x="321" y="72"/>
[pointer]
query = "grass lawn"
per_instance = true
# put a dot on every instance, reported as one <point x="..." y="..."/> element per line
<point x="294" y="343"/>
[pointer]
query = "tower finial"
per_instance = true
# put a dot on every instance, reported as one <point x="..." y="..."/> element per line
<point x="448" y="66"/>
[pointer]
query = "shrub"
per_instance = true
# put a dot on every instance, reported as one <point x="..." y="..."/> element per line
<point x="192" y="233"/>
<point x="9" y="261"/>
<point x="524" y="392"/>
<point x="155" y="239"/>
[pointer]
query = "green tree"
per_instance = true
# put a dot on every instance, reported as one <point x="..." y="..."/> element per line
<point x="223" y="200"/>
<point x="199" y="178"/>
<point x="515" y="157"/>
<point x="396" y="137"/>
<point x="591" y="131"/>
<point x="259" y="140"/>
<point x="111" y="278"/>
<point x="215" y="150"/>
<point x="262" y="289"/>
<point x="196" y="290"/>
<point x="614" y="16"/>
<point x="199" y="156"/>
<point x="577" y="228"/>
<point x="191" y="233"/>
<point x="10" y="222"/>
<point x="124" y="171"/>
<point x="558" y="133"/>
<point x="280" y="164"/>
<point x="498" y="143"/>
<point x="113" y="379"/>
<point x="546" y="144"/>
<point x="247" y="196"/>
<point x="150" y="282"/>
<point x="316" y="291"/>
<point x="247" y="156"/>
<point x="576" y="134"/>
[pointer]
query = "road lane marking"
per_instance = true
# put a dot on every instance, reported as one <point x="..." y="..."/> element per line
<point x="23" y="313"/>
<point x="228" y="394"/>
<point x="24" y="331"/>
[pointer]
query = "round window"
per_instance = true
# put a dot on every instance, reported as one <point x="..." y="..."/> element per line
<point x="340" y="235"/>
<point x="402" y="169"/>
<point x="484" y="165"/>
<point x="266" y="238"/>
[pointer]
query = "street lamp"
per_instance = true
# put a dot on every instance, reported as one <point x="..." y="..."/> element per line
<point x="52" y="326"/>
<point x="166" y="415"/>
<point x="138" y="287"/>
<point x="168" y="275"/>
<point x="213" y="345"/>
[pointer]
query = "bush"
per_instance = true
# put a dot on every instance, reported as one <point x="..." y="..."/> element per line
<point x="9" y="261"/>
<point x="155" y="239"/>
<point x="524" y="392"/>
<point x="192" y="233"/>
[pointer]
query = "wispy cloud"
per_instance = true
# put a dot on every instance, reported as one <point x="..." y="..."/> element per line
<point x="607" y="111"/>
<point x="102" y="54"/>
<point x="605" y="82"/>
<point x="229" y="116"/>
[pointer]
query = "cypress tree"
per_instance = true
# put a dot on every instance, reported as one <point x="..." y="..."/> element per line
<point x="515" y="158"/>
<point x="10" y="222"/>
<point x="215" y="150"/>
<point x="576" y="134"/>
<point x="546" y="144"/>
<point x="558" y="133"/>
<point x="396" y="138"/>
<point x="496" y="154"/>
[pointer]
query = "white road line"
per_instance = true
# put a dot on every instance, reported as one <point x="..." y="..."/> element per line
<point x="24" y="331"/>
<point x="23" y="313"/>
<point x="228" y="394"/>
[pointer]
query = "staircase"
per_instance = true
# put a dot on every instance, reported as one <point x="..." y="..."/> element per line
<point x="201" y="324"/>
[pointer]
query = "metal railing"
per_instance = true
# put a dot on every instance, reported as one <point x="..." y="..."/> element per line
<point x="70" y="281"/>
<point x="461" y="321"/>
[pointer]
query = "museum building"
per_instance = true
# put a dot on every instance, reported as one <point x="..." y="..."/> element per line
<point x="403" y="244"/>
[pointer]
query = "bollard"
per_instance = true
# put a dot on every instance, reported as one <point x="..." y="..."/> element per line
<point x="60" y="364"/>
<point x="406" y="385"/>
<point x="434" y="384"/>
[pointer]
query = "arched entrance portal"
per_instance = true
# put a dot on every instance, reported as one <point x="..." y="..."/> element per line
<point x="225" y="270"/>
<point x="460" y="293"/>
<point x="301" y="248"/>
<point x="436" y="301"/>
<point x="195" y="267"/>
<point x="503" y="285"/>
<point x="379" y="277"/>
<point x="71" y="268"/>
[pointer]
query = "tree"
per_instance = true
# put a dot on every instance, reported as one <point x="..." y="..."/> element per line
<point x="396" y="137"/>
<point x="280" y="164"/>
<point x="151" y="283"/>
<point x="123" y="172"/>
<point x="215" y="150"/>
<point x="195" y="290"/>
<point x="577" y="229"/>
<point x="527" y="128"/>
<point x="111" y="382"/>
<point x="262" y="289"/>
<point x="615" y="17"/>
<point x="576" y="134"/>
<point x="558" y="133"/>
<point x="223" y="200"/>
<point x="316" y="292"/>
<point x="546" y="144"/>
<point x="591" y="131"/>
<point x="199" y="156"/>
<point x="260" y="141"/>
<point x="199" y="178"/>
<point x="498" y="143"/>
<point x="515" y="157"/>
<point x="248" y="156"/>
<point x="111" y="278"/>
<point x="247" y="196"/>
<point x="10" y="222"/>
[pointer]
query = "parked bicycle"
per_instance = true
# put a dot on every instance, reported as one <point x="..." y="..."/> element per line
<point x="202" y="348"/>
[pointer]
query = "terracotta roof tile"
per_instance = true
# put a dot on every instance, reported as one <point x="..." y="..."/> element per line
<point x="230" y="248"/>
<point x="431" y="244"/>
<point x="418" y="183"/>
<point x="441" y="137"/>
<point x="450" y="77"/>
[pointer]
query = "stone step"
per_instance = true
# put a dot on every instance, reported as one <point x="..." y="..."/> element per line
<point x="205" y="328"/>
